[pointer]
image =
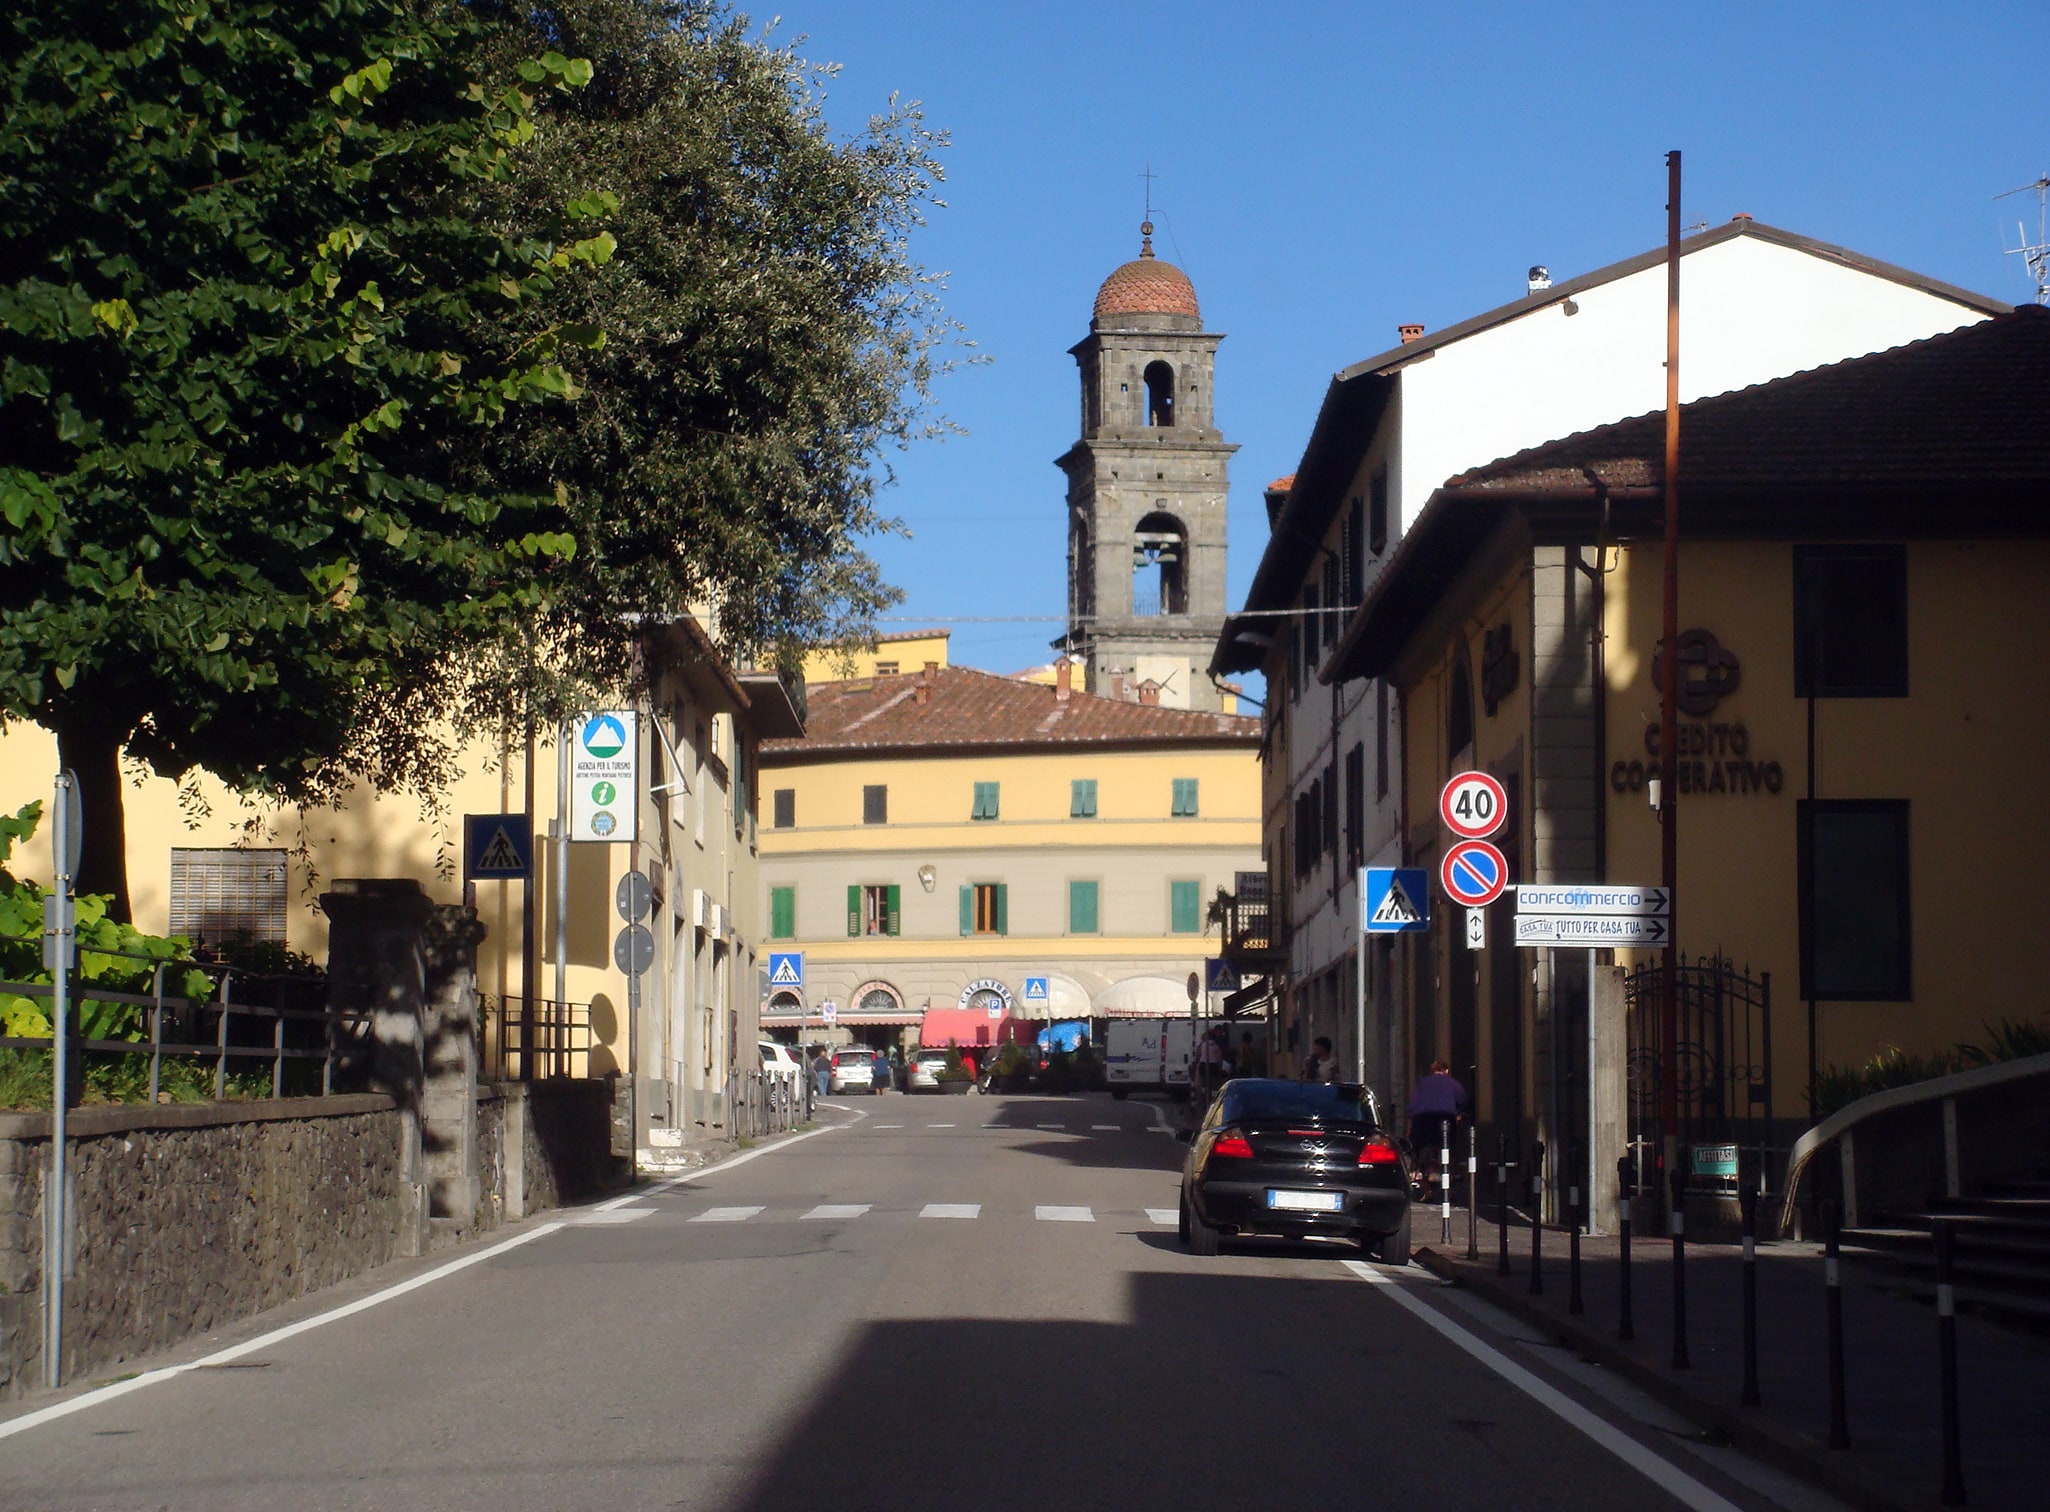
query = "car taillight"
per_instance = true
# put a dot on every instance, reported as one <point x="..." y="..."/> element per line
<point x="1232" y="1146"/>
<point x="1379" y="1152"/>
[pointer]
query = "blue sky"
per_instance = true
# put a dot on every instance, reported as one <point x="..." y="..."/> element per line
<point x="1326" y="171"/>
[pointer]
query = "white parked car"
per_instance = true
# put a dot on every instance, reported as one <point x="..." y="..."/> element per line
<point x="780" y="1062"/>
<point x="925" y="1068"/>
<point x="854" y="1069"/>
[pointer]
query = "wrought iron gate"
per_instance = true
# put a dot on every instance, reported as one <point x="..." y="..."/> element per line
<point x="1723" y="1057"/>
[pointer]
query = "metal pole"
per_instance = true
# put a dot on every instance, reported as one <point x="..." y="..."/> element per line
<point x="1473" y="1192"/>
<point x="1626" y="1189"/>
<point x="1360" y="984"/>
<point x="1502" y="1163"/>
<point x="1677" y="1182"/>
<point x="56" y="1206"/>
<point x="1946" y="1360"/>
<point x="1577" y="1218"/>
<point x="1590" y="1218"/>
<point x="1669" y="666"/>
<point x="1445" y="1181"/>
<point x="1833" y="1301"/>
<point x="1747" y="1201"/>
<point x="529" y="967"/>
<point x="1537" y="1217"/>
<point x="558" y="831"/>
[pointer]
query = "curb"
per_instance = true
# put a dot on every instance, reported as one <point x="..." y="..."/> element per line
<point x="1783" y="1449"/>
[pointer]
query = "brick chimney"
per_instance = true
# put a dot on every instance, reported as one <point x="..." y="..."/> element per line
<point x="1149" y="692"/>
<point x="1063" y="679"/>
<point x="1409" y="332"/>
<point x="1117" y="686"/>
<point x="922" y="692"/>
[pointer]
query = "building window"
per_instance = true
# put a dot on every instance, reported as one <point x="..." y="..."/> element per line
<point x="878" y="997"/>
<point x="1854" y="900"/>
<point x="1458" y="706"/>
<point x="1377" y="510"/>
<point x="1331" y="808"/>
<point x="1160" y="554"/>
<point x="886" y="669"/>
<point x="220" y="896"/>
<point x="985" y="909"/>
<point x="1380" y="739"/>
<point x="1349" y="550"/>
<point x="1355" y="808"/>
<point x="1295" y="660"/>
<point x="1313" y="624"/>
<point x="1082" y="798"/>
<point x="1183" y="805"/>
<point x="786" y="1002"/>
<point x="1850" y="622"/>
<point x="1185" y="907"/>
<point x="1334" y="604"/>
<point x="985" y="801"/>
<point x="1159" y="394"/>
<point x="782" y="913"/>
<point x="874" y="910"/>
<point x="1082" y="911"/>
<point x="875" y="803"/>
<point x="784" y="807"/>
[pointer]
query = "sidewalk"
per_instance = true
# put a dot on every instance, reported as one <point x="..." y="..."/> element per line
<point x="1890" y="1361"/>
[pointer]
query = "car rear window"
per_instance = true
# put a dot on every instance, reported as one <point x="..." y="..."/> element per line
<point x="1325" y="1101"/>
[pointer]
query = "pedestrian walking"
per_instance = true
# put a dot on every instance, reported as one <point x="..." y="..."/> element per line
<point x="822" y="1072"/>
<point x="1322" y="1066"/>
<point x="1436" y="1108"/>
<point x="1250" y="1061"/>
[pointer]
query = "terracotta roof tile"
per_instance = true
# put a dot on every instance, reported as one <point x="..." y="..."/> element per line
<point x="1147" y="286"/>
<point x="967" y="707"/>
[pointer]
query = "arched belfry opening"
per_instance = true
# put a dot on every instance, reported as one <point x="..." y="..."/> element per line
<point x="1160" y="571"/>
<point x="1159" y="394"/>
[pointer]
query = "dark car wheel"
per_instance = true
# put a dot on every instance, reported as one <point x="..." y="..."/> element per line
<point x="1389" y="1249"/>
<point x="1199" y="1236"/>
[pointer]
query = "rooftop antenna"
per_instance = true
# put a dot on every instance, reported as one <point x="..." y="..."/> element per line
<point x="2036" y="254"/>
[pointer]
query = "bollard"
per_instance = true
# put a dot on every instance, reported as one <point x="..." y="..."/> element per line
<point x="1747" y="1200"/>
<point x="1677" y="1179"/>
<point x="1502" y="1203"/>
<point x="1833" y="1301"/>
<point x="1946" y="1361"/>
<point x="1577" y="1219"/>
<point x="1445" y="1181"/>
<point x="1537" y="1217"/>
<point x="1473" y="1192"/>
<point x="1626" y="1189"/>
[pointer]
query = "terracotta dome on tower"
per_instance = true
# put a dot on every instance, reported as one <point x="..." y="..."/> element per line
<point x="1147" y="286"/>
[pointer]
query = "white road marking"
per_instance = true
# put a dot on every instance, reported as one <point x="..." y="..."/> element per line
<point x="889" y="1126"/>
<point x="1050" y="1126"/>
<point x="1112" y="1127"/>
<point x="1063" y="1215"/>
<point x="951" y="1210"/>
<point x="838" y="1210"/>
<point x="727" y="1164"/>
<point x="601" y="1216"/>
<point x="1165" y="1217"/>
<point x="939" y="1126"/>
<point x="726" y="1215"/>
<point x="264" y="1341"/>
<point x="1661" y="1473"/>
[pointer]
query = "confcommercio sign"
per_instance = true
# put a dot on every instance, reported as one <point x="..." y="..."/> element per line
<point x="603" y="766"/>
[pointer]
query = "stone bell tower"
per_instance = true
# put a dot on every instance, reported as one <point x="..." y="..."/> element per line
<point x="1147" y="484"/>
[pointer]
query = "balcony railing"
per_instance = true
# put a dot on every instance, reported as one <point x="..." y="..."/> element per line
<point x="1252" y="934"/>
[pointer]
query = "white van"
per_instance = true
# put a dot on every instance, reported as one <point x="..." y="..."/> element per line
<point x="1151" y="1055"/>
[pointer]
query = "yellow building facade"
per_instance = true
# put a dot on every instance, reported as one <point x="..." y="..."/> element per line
<point x="949" y="841"/>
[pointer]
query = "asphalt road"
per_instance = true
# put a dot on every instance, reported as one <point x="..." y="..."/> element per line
<point x="940" y="1302"/>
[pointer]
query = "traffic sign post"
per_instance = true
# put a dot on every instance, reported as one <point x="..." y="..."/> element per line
<point x="1476" y="929"/>
<point x="1597" y="915"/>
<point x="604" y="776"/>
<point x="786" y="968"/>
<point x="1474" y="873"/>
<point x="829" y="1012"/>
<point x="1588" y="929"/>
<point x="1036" y="990"/>
<point x="634" y="897"/>
<point x="1221" y="976"/>
<point x="1546" y="898"/>
<point x="1473" y="805"/>
<point x="498" y="847"/>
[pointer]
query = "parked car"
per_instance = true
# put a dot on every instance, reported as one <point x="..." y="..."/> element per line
<point x="1295" y="1160"/>
<point x="854" y="1069"/>
<point x="925" y="1068"/>
<point x="779" y="1062"/>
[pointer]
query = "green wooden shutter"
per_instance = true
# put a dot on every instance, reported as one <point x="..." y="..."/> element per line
<point x="854" y="908"/>
<point x="1082" y="899"/>
<point x="1003" y="908"/>
<point x="1082" y="798"/>
<point x="783" y="912"/>
<point x="1184" y="907"/>
<point x="968" y="910"/>
<point x="895" y="906"/>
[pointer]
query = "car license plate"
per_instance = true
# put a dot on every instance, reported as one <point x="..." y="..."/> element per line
<point x="1308" y="1202"/>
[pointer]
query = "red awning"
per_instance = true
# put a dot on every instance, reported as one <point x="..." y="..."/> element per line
<point x="970" y="1028"/>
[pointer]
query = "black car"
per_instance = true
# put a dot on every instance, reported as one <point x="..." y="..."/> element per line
<point x="1295" y="1160"/>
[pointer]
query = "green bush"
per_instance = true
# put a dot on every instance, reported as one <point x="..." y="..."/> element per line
<point x="956" y="1069"/>
<point x="1839" y="1086"/>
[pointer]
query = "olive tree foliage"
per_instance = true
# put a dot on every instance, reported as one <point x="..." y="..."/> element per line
<point x="770" y="340"/>
<point x="250" y="331"/>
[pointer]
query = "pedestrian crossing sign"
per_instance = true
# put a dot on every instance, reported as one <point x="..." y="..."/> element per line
<point x="1395" y="900"/>
<point x="786" y="968"/>
<point x="498" y="847"/>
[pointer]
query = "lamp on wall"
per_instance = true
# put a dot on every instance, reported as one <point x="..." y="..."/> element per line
<point x="927" y="877"/>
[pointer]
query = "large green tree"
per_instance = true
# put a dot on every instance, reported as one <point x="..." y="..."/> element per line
<point x="770" y="339"/>
<point x="249" y="329"/>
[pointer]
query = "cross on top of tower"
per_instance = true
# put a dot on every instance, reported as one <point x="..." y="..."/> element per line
<point x="1146" y="225"/>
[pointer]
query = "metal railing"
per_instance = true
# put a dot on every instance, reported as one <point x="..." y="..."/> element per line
<point x="761" y="1103"/>
<point x="202" y="1029"/>
<point x="526" y="1039"/>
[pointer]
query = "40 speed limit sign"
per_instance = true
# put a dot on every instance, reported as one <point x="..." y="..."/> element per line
<point x="1473" y="805"/>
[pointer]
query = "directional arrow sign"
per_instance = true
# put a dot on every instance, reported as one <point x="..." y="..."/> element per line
<point x="1551" y="898"/>
<point x="1589" y="929"/>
